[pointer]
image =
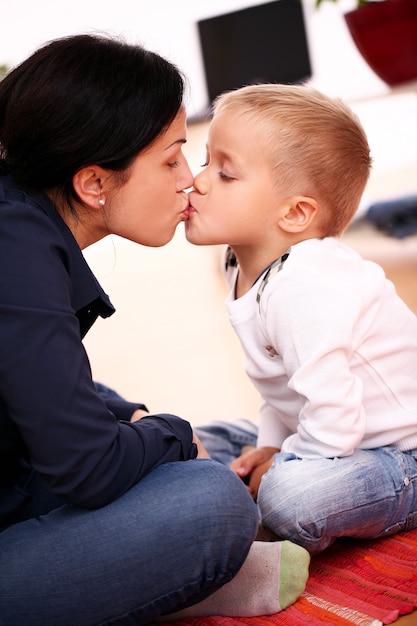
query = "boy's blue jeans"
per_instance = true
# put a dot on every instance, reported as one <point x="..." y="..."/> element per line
<point x="370" y="494"/>
<point x="170" y="541"/>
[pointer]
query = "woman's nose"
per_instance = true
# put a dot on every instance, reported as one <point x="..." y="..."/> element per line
<point x="186" y="177"/>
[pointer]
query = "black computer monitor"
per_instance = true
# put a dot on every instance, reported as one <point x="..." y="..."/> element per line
<point x="266" y="43"/>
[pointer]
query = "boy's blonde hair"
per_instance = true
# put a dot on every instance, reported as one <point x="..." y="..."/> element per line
<point x="318" y="146"/>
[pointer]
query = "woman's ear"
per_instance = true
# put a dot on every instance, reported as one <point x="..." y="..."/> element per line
<point x="88" y="185"/>
<point x="298" y="214"/>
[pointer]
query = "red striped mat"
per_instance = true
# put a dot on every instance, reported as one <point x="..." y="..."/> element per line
<point x="367" y="583"/>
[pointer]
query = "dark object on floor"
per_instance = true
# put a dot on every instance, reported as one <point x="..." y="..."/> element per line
<point x="398" y="218"/>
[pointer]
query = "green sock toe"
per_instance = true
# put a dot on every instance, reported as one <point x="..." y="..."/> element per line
<point x="293" y="574"/>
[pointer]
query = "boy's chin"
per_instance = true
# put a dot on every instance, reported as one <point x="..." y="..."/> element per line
<point x="198" y="238"/>
<point x="197" y="241"/>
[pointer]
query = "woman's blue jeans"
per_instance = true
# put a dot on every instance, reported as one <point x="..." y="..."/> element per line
<point x="370" y="494"/>
<point x="170" y="541"/>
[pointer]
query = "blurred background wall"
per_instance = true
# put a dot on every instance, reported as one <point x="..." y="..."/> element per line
<point x="170" y="343"/>
<point x="169" y="27"/>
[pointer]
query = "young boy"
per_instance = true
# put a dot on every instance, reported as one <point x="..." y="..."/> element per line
<point x="330" y="346"/>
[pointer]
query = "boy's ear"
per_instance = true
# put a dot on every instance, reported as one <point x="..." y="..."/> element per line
<point x="87" y="184"/>
<point x="298" y="214"/>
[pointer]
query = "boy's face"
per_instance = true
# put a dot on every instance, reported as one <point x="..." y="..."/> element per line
<point x="234" y="200"/>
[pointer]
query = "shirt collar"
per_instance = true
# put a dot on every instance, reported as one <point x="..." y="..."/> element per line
<point x="88" y="298"/>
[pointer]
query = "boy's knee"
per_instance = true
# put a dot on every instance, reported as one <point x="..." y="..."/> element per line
<point x="286" y="507"/>
<point x="278" y="511"/>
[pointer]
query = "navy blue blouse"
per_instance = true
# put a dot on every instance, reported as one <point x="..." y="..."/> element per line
<point x="52" y="420"/>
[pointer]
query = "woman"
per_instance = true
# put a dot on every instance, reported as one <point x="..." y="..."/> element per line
<point x="101" y="517"/>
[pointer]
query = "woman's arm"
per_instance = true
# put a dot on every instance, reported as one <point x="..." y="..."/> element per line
<point x="84" y="454"/>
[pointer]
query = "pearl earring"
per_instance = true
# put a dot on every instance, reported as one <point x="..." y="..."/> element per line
<point x="101" y="202"/>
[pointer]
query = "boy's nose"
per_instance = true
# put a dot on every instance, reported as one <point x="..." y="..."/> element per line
<point x="201" y="183"/>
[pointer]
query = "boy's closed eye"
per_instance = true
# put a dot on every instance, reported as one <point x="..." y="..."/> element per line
<point x="222" y="174"/>
<point x="225" y="177"/>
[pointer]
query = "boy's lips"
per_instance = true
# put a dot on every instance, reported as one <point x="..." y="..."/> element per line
<point x="188" y="211"/>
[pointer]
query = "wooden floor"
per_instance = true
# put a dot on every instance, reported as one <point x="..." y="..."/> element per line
<point x="407" y="620"/>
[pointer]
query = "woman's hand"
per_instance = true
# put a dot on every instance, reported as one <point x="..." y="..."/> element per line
<point x="202" y="452"/>
<point x="138" y="414"/>
<point x="252" y="465"/>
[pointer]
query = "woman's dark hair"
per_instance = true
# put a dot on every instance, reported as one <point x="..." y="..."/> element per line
<point x="83" y="100"/>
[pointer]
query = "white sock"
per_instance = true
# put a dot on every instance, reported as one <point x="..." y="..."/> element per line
<point x="273" y="576"/>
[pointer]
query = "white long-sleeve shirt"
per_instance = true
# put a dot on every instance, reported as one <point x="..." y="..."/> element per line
<point x="332" y="350"/>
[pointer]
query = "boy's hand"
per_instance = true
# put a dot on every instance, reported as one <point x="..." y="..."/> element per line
<point x="252" y="465"/>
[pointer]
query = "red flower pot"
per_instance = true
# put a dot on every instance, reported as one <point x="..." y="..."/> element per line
<point x="385" y="33"/>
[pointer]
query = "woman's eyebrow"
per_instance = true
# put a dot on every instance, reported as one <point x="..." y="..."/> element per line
<point x="181" y="141"/>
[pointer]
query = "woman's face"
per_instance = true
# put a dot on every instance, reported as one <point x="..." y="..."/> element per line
<point x="149" y="206"/>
